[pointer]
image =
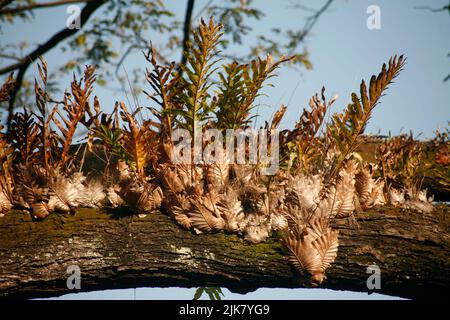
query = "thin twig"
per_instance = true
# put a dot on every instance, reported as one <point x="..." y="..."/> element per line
<point x="38" y="6"/>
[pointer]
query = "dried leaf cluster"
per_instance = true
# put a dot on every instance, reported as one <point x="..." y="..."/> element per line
<point x="320" y="180"/>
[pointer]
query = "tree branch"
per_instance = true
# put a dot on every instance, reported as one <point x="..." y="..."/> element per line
<point x="4" y="3"/>
<point x="187" y="30"/>
<point x="114" y="250"/>
<point x="38" y="6"/>
<point x="444" y="8"/>
<point x="312" y="20"/>
<point x="25" y="62"/>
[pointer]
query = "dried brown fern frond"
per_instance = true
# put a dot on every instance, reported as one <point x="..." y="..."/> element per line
<point x="6" y="151"/>
<point x="364" y="185"/>
<point x="370" y="191"/>
<point x="139" y="142"/>
<point x="231" y="210"/>
<point x="113" y="196"/>
<point x="278" y="222"/>
<point x="311" y="122"/>
<point x="166" y="87"/>
<point x="205" y="216"/>
<point x="175" y="183"/>
<point x="32" y="189"/>
<point x="186" y="179"/>
<point x="257" y="228"/>
<point x="218" y="172"/>
<point x="345" y="190"/>
<point x="314" y="250"/>
<point x="345" y="128"/>
<point x="302" y="147"/>
<point x="142" y="197"/>
<point x="6" y="192"/>
<point x="7" y="88"/>
<point x="304" y="191"/>
<point x="399" y="160"/>
<point x="277" y="117"/>
<point x="76" y="105"/>
<point x="179" y="207"/>
<point x="93" y="194"/>
<point x="47" y="137"/>
<point x="65" y="195"/>
<point x="23" y="137"/>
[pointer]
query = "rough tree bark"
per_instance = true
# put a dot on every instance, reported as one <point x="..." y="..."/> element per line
<point x="113" y="251"/>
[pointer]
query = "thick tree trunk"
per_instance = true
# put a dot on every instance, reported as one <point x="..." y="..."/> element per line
<point x="113" y="251"/>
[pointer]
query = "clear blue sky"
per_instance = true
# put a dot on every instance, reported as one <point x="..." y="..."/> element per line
<point x="343" y="51"/>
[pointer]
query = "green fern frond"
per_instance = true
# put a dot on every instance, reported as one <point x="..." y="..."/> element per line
<point x="214" y="293"/>
<point x="201" y="57"/>
<point x="239" y="86"/>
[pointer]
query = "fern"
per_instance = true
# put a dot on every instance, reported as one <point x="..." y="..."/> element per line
<point x="201" y="58"/>
<point x="254" y="76"/>
<point x="303" y="145"/>
<point x="110" y="137"/>
<point x="138" y="142"/>
<point x="399" y="160"/>
<point x="165" y="86"/>
<point x="23" y="137"/>
<point x="7" y="88"/>
<point x="214" y="293"/>
<point x="5" y="151"/>
<point x="231" y="96"/>
<point x="109" y="134"/>
<point x="239" y="87"/>
<point x="75" y="107"/>
<point x="47" y="137"/>
<point x="347" y="127"/>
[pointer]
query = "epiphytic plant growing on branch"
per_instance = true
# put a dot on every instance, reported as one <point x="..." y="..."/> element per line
<point x="238" y="89"/>
<point x="319" y="181"/>
<point x="75" y="106"/>
<point x="347" y="127"/>
<point x="7" y="88"/>
<point x="303" y="146"/>
<point x="399" y="160"/>
<point x="23" y="137"/>
<point x="201" y="59"/>
<point x="138" y="142"/>
<point x="165" y="85"/>
<point x="47" y="138"/>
